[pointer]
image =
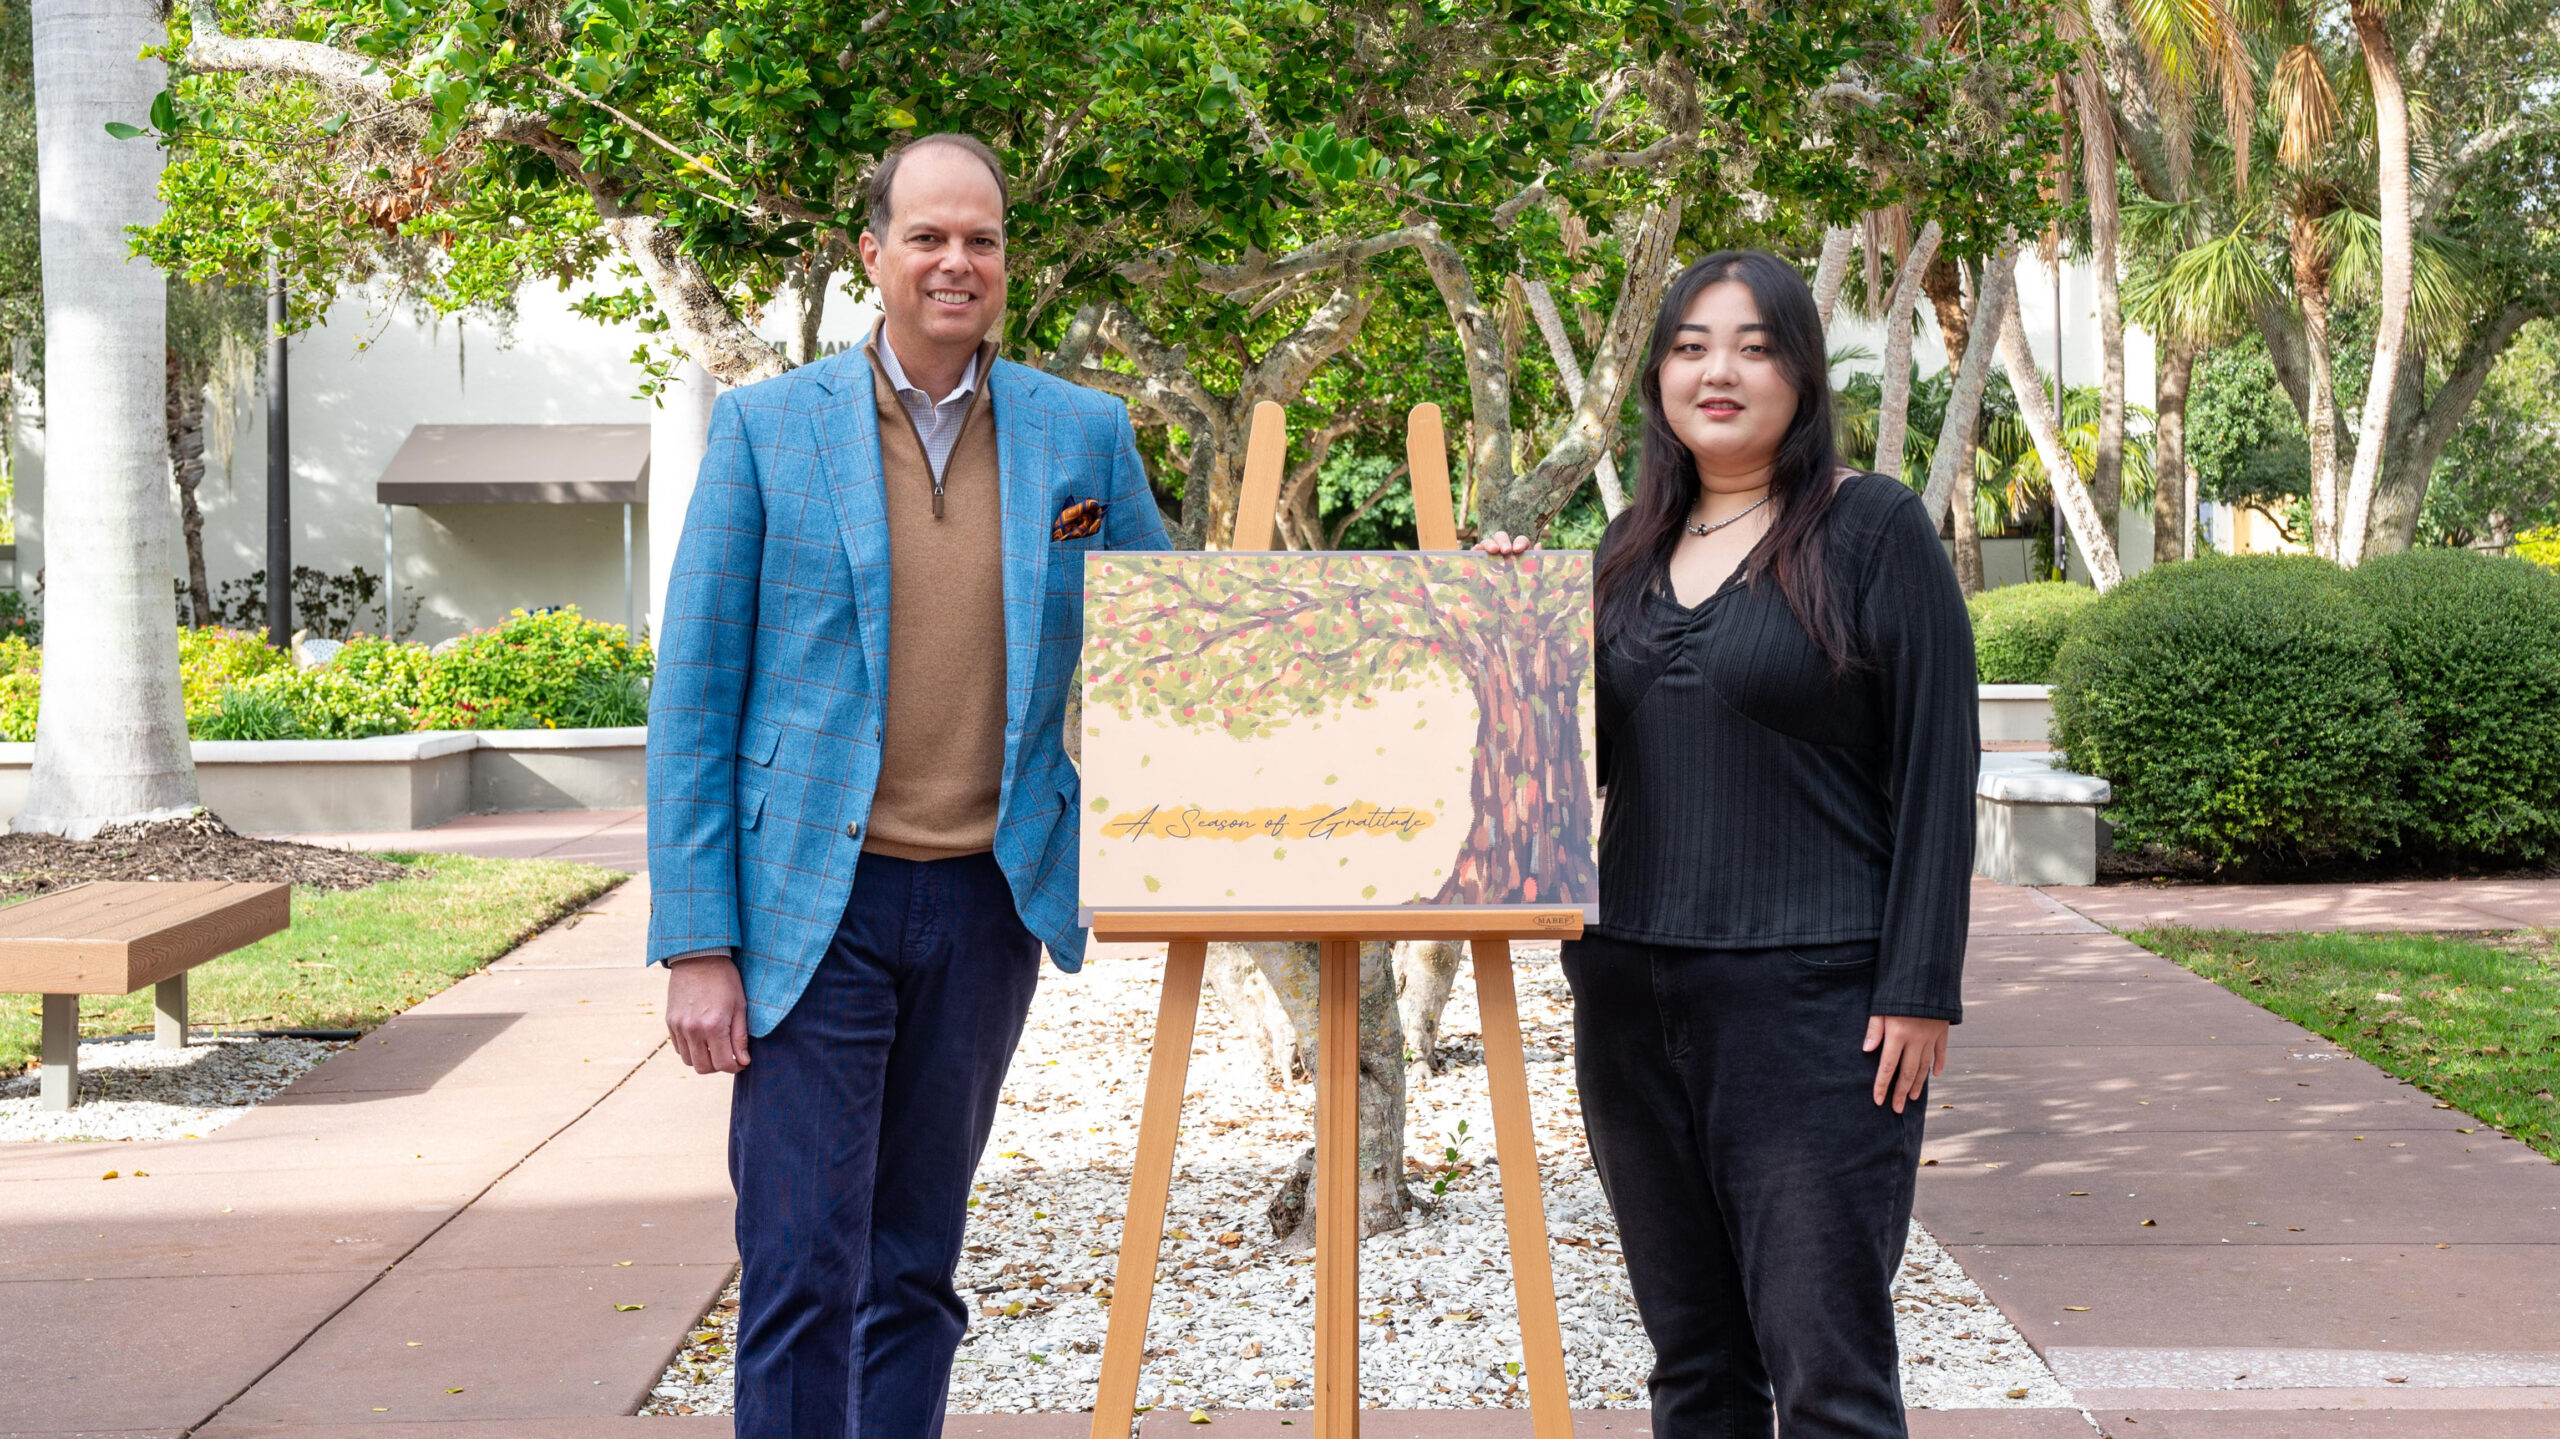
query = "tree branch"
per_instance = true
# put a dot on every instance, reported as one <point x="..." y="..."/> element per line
<point x="1542" y="305"/>
<point x="1957" y="429"/>
<point x="1259" y="270"/>
<point x="1366" y="505"/>
<point x="1322" y="335"/>
<point x="211" y="50"/>
<point x="1526" y="507"/>
<point x="1166" y="385"/>
<point x="1894" y="419"/>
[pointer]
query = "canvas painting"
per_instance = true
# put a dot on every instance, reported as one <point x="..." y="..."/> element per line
<point x="1330" y="730"/>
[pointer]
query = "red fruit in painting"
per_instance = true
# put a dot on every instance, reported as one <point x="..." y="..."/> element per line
<point x="1529" y="890"/>
<point x="1189" y="710"/>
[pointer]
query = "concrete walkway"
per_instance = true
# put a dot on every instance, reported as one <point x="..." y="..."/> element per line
<point x="2212" y="1222"/>
<point x="435" y="1231"/>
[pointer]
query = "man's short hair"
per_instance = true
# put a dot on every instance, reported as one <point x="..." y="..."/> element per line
<point x="876" y="198"/>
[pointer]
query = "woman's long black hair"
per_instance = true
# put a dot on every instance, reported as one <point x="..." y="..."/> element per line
<point x="1800" y="484"/>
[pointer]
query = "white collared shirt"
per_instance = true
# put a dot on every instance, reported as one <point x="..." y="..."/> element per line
<point x="937" y="423"/>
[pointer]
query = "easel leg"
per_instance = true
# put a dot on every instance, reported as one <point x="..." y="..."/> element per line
<point x="1124" y="1346"/>
<point x="58" y="1087"/>
<point x="1524" y="1212"/>
<point x="169" y="1012"/>
<point x="1337" y="1398"/>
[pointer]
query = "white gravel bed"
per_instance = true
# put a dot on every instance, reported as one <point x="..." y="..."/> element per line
<point x="1233" y="1318"/>
<point x="131" y="1088"/>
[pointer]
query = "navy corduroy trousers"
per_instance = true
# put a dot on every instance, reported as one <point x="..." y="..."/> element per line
<point x="854" y="1131"/>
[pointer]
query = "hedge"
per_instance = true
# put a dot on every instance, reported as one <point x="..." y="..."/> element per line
<point x="2277" y="708"/>
<point x="2244" y="709"/>
<point x="2017" y="629"/>
<point x="546" y="670"/>
<point x="2474" y="647"/>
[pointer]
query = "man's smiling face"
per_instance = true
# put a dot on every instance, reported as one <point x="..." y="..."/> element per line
<point x="938" y="263"/>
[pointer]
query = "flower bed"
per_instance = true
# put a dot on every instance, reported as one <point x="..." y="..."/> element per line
<point x="556" y="669"/>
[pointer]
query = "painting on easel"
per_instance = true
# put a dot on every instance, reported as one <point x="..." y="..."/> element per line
<point x="1337" y="730"/>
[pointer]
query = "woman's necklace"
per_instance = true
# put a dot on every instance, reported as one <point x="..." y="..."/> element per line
<point x="1729" y="519"/>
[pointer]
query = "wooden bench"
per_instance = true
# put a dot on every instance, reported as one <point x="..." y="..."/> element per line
<point x="114" y="937"/>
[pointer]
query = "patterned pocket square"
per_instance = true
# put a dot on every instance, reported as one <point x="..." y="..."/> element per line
<point x="1079" y="519"/>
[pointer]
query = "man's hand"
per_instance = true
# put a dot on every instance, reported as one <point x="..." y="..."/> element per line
<point x="707" y="1013"/>
<point x="1912" y="1050"/>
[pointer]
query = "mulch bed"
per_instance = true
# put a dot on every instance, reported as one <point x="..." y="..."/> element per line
<point x="198" y="847"/>
<point x="2165" y="867"/>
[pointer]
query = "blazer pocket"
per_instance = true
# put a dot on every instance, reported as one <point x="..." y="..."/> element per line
<point x="750" y="808"/>
<point x="760" y="741"/>
<point x="1847" y="955"/>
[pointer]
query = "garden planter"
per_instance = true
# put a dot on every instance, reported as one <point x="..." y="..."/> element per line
<point x="2014" y="714"/>
<point x="398" y="782"/>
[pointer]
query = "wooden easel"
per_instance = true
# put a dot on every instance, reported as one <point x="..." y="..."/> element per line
<point x="1338" y="935"/>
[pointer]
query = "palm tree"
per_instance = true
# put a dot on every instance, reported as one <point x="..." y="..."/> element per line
<point x="111" y="746"/>
<point x="2399" y="255"/>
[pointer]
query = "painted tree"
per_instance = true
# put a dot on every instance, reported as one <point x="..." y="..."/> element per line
<point x="111" y="746"/>
<point x="1254" y="645"/>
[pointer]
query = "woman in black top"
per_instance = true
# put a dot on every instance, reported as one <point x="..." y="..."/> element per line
<point x="1788" y="750"/>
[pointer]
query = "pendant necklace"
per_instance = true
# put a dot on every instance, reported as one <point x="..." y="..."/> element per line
<point x="1729" y="519"/>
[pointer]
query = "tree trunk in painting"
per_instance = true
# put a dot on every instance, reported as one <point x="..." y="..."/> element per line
<point x="1539" y="794"/>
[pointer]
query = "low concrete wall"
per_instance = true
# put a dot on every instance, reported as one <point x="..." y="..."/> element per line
<point x="2034" y="824"/>
<point x="532" y="769"/>
<point x="2014" y="713"/>
<point x="397" y="782"/>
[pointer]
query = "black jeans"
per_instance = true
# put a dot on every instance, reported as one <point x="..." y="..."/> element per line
<point x="1761" y="1193"/>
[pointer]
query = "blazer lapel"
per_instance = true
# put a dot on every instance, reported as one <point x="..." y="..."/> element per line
<point x="1022" y="468"/>
<point x="849" y="442"/>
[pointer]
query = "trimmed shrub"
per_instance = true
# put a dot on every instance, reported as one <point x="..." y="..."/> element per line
<point x="2243" y="709"/>
<point x="2018" y="629"/>
<point x="2474" y="646"/>
<point x="521" y="674"/>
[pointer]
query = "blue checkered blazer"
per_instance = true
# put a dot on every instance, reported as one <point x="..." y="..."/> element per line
<point x="767" y="711"/>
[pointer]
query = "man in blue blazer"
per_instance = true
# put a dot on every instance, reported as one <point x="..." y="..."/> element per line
<point x="861" y="816"/>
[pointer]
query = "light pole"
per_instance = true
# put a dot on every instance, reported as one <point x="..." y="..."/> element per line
<point x="279" y="466"/>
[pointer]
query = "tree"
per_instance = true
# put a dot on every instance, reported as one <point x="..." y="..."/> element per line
<point x="111" y="746"/>
<point x="2300" y="192"/>
<point x="1252" y="645"/>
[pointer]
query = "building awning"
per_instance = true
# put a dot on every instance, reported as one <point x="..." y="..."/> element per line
<point x="518" y="465"/>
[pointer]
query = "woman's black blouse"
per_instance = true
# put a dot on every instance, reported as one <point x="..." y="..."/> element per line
<point x="1755" y="801"/>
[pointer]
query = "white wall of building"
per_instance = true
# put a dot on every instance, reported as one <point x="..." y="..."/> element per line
<point x="359" y="381"/>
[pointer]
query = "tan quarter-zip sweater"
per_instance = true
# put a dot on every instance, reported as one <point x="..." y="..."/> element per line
<point x="942" y="755"/>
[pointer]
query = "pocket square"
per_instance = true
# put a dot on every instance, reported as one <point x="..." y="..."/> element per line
<point x="1079" y="519"/>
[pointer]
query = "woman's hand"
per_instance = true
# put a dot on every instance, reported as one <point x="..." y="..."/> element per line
<point x="1907" y="1052"/>
<point x="1499" y="543"/>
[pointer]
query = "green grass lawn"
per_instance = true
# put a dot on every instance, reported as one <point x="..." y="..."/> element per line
<point x="353" y="958"/>
<point x="2473" y="1021"/>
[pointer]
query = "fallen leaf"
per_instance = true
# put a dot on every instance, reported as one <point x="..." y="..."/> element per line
<point x="111" y="1174"/>
<point x="1925" y="1163"/>
<point x="2079" y="1194"/>
<point x="1199" y="1416"/>
<point x="2017" y="1393"/>
<point x="2151" y="1224"/>
<point x="2403" y="1379"/>
<point x="627" y="1308"/>
<point x="415" y="1343"/>
<point x="622" y="1264"/>
<point x="2077" y="1308"/>
<point x="456" y="1390"/>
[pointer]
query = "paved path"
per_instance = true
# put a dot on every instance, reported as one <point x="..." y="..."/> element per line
<point x="2327" y="1252"/>
<point x="430" y="1234"/>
